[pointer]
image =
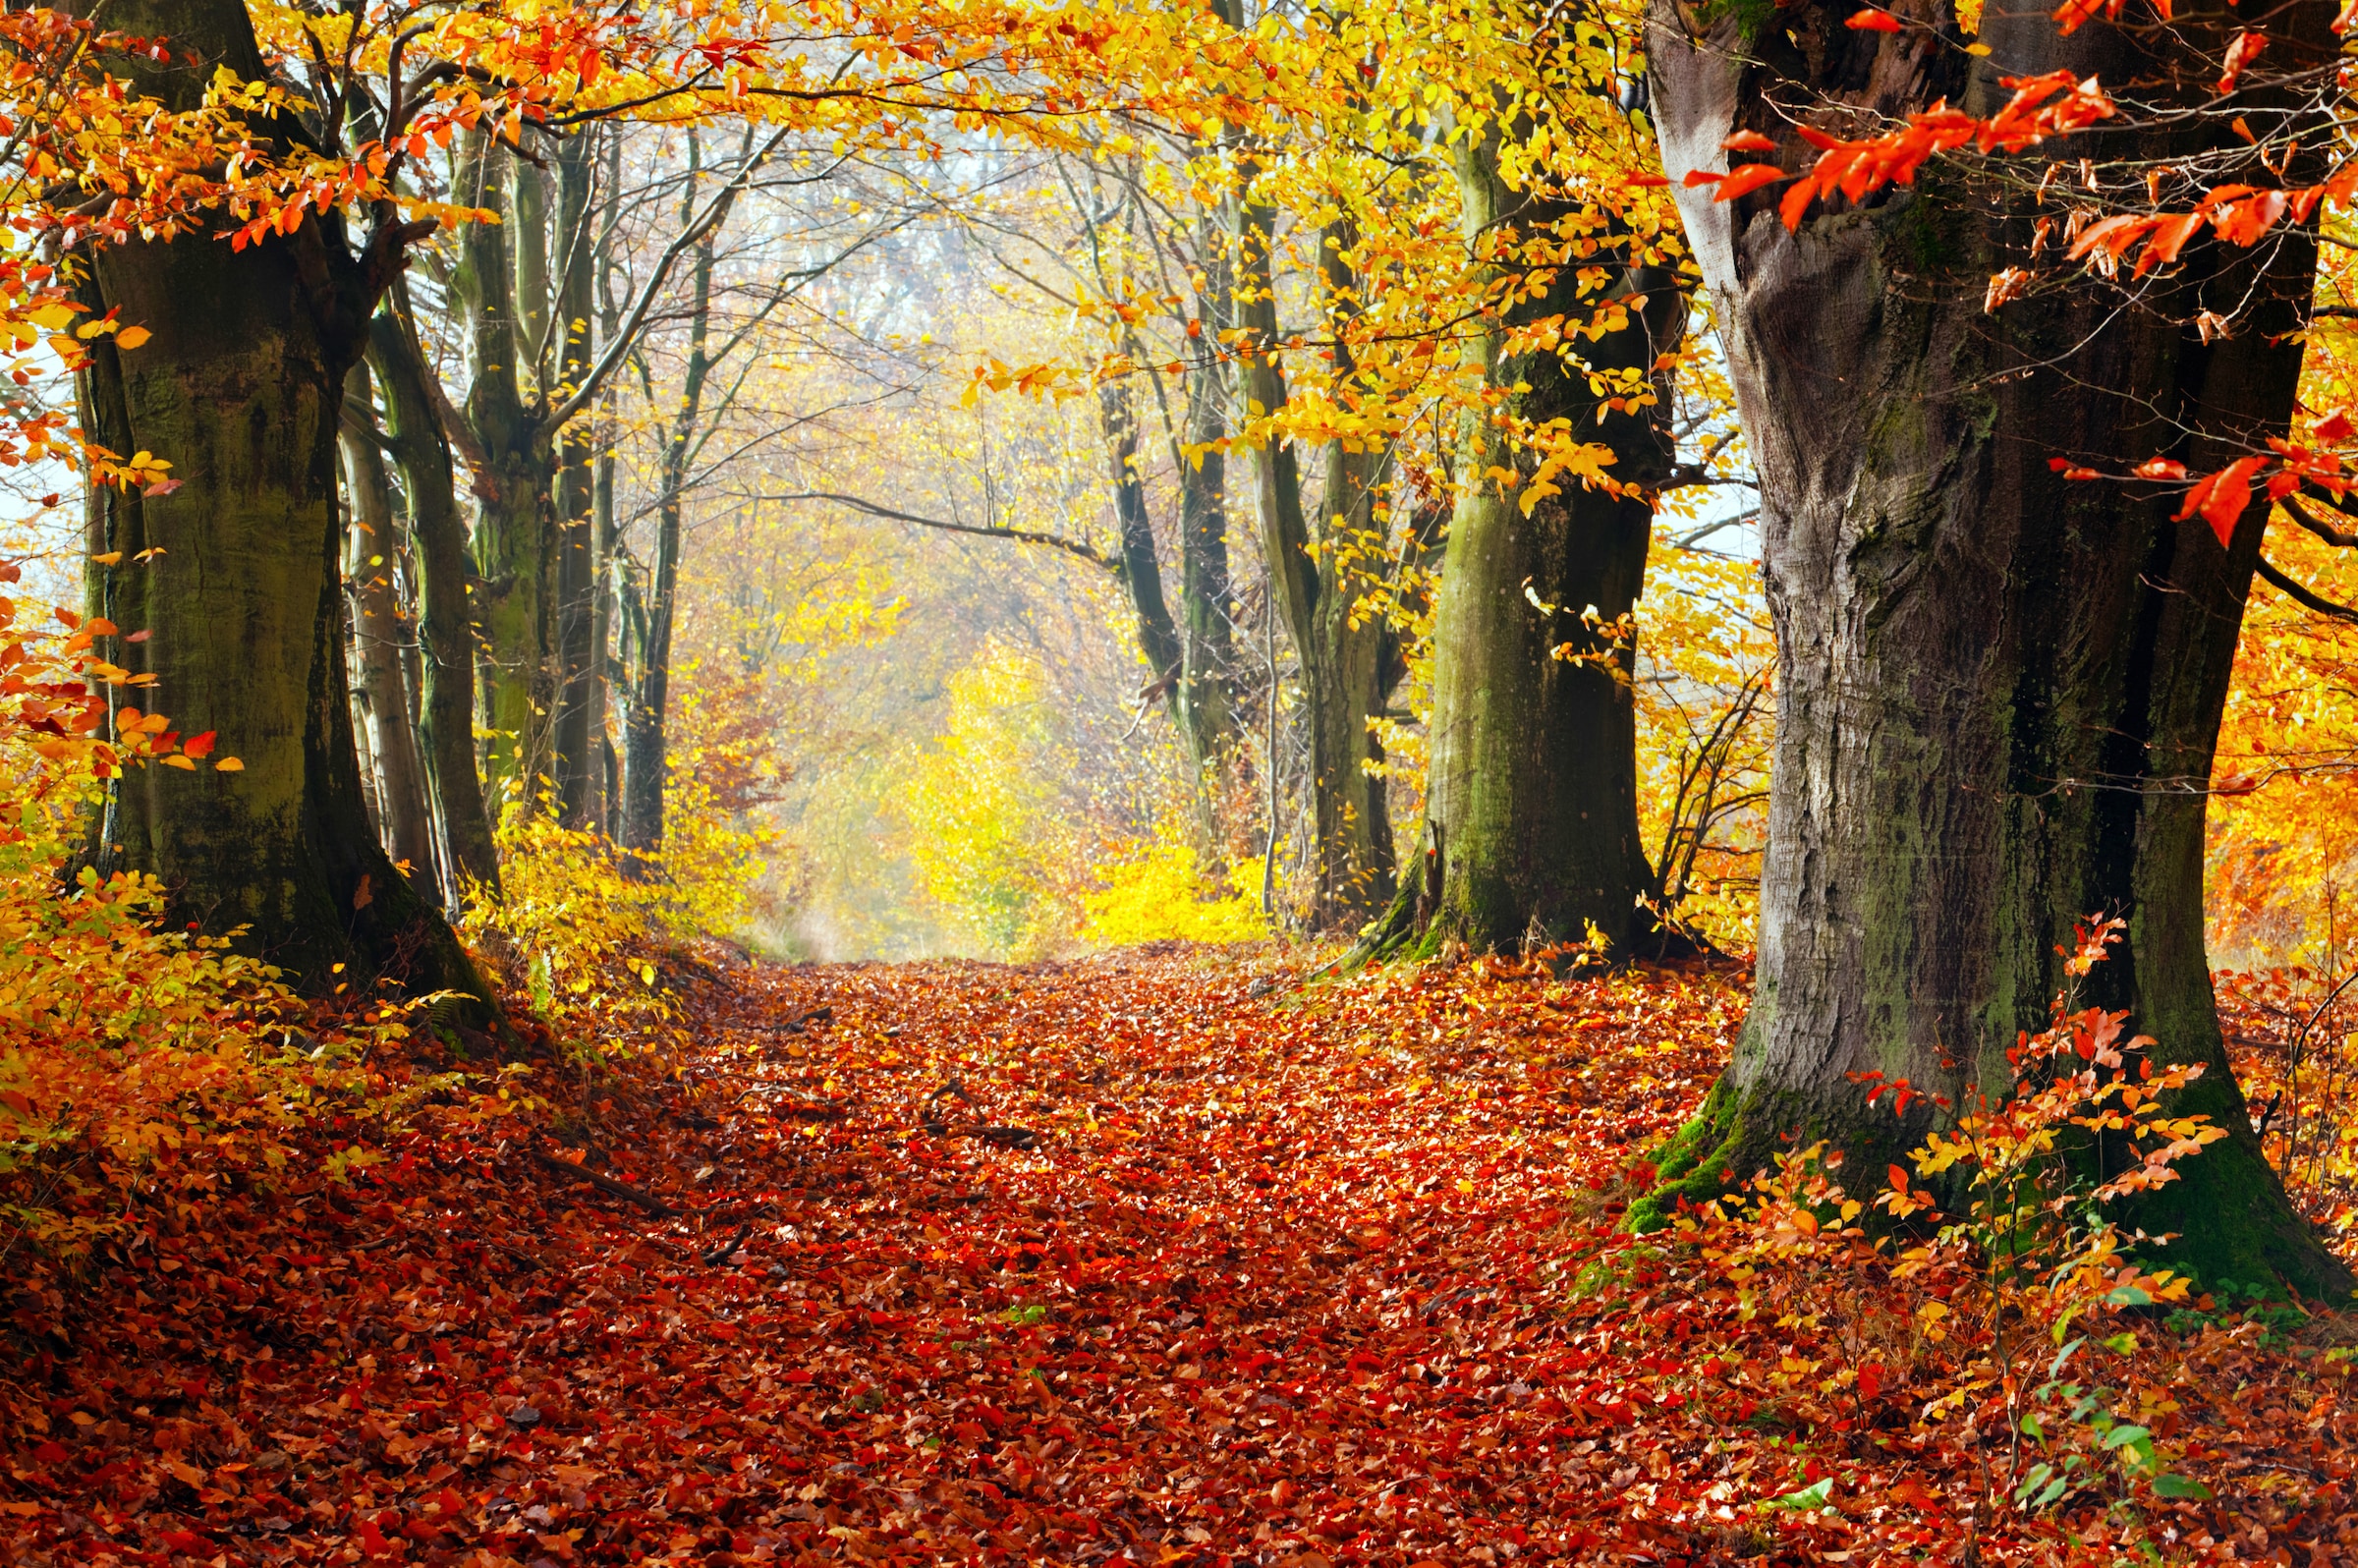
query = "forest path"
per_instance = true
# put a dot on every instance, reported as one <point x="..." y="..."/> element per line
<point x="1280" y="1278"/>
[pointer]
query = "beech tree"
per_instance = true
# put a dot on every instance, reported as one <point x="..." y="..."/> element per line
<point x="2001" y="683"/>
<point x="243" y="598"/>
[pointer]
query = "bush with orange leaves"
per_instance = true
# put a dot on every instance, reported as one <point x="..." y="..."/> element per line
<point x="1986" y="1313"/>
<point x="138" y="1065"/>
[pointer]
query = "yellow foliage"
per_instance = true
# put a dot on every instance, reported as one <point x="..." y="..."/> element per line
<point x="1158" y="892"/>
<point x="988" y="844"/>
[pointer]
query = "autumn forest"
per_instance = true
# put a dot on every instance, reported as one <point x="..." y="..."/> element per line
<point x="1187" y="783"/>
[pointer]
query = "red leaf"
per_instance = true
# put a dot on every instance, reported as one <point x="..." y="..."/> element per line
<point x="199" y="745"/>
<point x="1746" y="142"/>
<point x="1872" y="22"/>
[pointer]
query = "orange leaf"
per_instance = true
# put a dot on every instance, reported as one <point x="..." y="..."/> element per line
<point x="1797" y="202"/>
<point x="1872" y="22"/>
<point x="1751" y="176"/>
<point x="2221" y="497"/>
<point x="1746" y="142"/>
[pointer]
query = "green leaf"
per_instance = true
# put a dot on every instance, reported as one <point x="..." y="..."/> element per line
<point x="2128" y="1296"/>
<point x="2122" y="1344"/>
<point x="2120" y="1435"/>
<point x="2168" y="1484"/>
<point x="1817" y="1496"/>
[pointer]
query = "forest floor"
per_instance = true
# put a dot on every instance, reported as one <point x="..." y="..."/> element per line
<point x="1157" y="1258"/>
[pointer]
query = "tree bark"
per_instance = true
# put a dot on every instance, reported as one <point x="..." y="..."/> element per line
<point x="1999" y="692"/>
<point x="445" y="630"/>
<point x="241" y="386"/>
<point x="379" y="634"/>
<point x="1532" y="800"/>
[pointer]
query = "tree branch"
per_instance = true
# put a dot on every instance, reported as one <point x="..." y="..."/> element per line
<point x="2304" y="511"/>
<point x="2305" y="596"/>
<point x="626" y="334"/>
<point x="1087" y="552"/>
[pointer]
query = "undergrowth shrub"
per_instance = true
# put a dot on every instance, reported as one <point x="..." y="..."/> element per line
<point x="139" y="1065"/>
<point x="2020" y="1309"/>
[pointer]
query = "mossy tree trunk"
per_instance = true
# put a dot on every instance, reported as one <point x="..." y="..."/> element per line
<point x="515" y="546"/>
<point x="240" y="386"/>
<point x="1999" y="692"/>
<point x="1531" y="811"/>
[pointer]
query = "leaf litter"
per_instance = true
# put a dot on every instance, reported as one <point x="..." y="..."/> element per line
<point x="1157" y="1258"/>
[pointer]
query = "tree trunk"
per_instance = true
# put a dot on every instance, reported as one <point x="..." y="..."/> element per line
<point x="379" y="634"/>
<point x="1141" y="570"/>
<point x="514" y="552"/>
<point x="240" y="386"/>
<point x="579" y="798"/>
<point x="1352" y="870"/>
<point x="446" y="716"/>
<point x="1999" y="692"/>
<point x="1532" y="801"/>
<point x="653" y="603"/>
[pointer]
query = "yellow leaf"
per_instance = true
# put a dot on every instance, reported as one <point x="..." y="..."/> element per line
<point x="229" y="764"/>
<point x="179" y="762"/>
<point x="109" y="558"/>
<point x="130" y="337"/>
<point x="53" y="316"/>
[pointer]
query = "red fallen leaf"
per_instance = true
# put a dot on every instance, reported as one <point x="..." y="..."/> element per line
<point x="1751" y="176"/>
<point x="1871" y="1380"/>
<point x="1872" y="21"/>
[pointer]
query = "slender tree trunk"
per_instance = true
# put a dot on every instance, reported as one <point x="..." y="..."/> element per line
<point x="577" y="759"/>
<point x="646" y="746"/>
<point x="514" y="552"/>
<point x="379" y="634"/>
<point x="445" y="631"/>
<point x="241" y="386"/>
<point x="1531" y="802"/>
<point x="1339" y="661"/>
<point x="1207" y="656"/>
<point x="1141" y="569"/>
<point x="1998" y="693"/>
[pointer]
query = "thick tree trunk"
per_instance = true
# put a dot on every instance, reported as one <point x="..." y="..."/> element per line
<point x="445" y="634"/>
<point x="379" y="636"/>
<point x="1999" y="692"/>
<point x="240" y="386"/>
<point x="1532" y="800"/>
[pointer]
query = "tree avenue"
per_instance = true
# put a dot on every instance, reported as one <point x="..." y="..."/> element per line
<point x="2001" y="683"/>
